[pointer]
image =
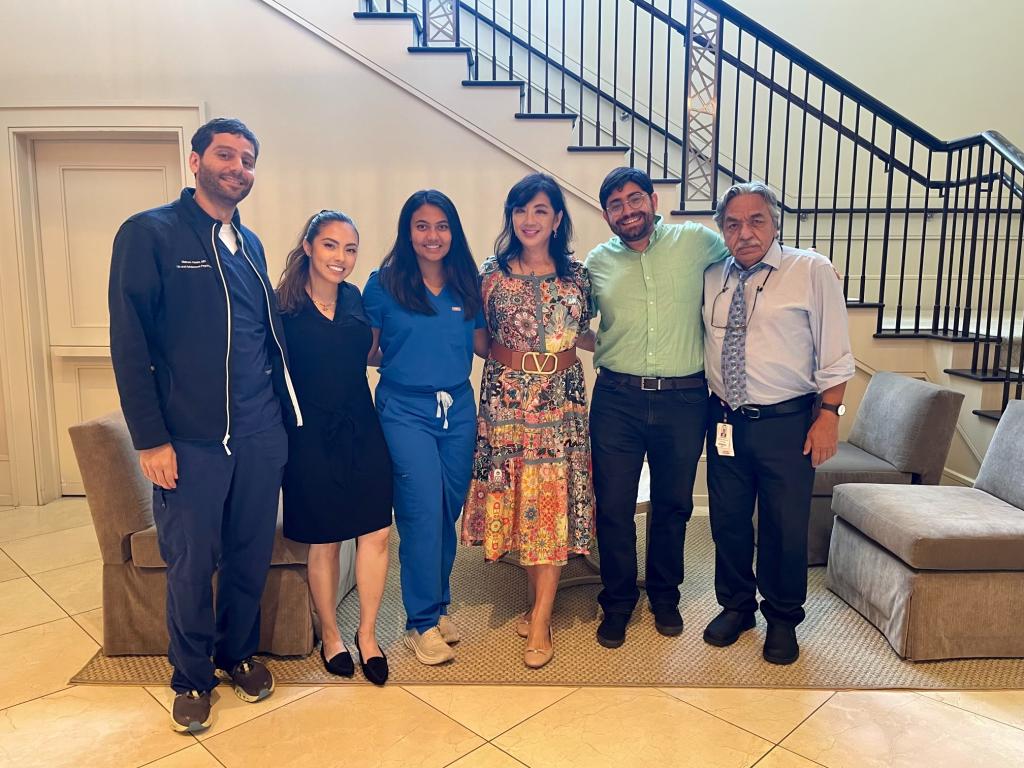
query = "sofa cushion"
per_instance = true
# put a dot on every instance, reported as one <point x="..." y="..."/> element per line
<point x="907" y="422"/>
<point x="944" y="528"/>
<point x="119" y="495"/>
<point x="146" y="550"/>
<point x="1000" y="472"/>
<point x="855" y="465"/>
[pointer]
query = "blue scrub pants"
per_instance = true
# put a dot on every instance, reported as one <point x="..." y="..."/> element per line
<point x="220" y="519"/>
<point x="432" y="467"/>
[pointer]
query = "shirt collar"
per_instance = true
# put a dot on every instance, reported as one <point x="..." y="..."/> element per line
<point x="772" y="258"/>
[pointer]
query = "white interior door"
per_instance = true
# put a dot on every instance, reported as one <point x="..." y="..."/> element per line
<point x="86" y="189"/>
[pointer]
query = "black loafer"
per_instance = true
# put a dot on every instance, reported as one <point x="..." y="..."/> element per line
<point x="611" y="633"/>
<point x="780" y="646"/>
<point x="667" y="620"/>
<point x="340" y="664"/>
<point x="376" y="669"/>
<point x="726" y="628"/>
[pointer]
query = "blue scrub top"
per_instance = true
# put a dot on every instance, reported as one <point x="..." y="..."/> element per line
<point x="421" y="352"/>
<point x="254" y="404"/>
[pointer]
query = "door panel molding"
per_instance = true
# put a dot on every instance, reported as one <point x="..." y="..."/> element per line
<point x="26" y="392"/>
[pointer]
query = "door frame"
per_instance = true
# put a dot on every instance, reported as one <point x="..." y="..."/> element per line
<point x="25" y="370"/>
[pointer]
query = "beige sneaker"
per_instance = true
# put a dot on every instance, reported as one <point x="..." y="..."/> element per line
<point x="449" y="631"/>
<point x="429" y="647"/>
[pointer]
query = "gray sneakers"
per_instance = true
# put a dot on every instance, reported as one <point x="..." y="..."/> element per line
<point x="191" y="712"/>
<point x="448" y="630"/>
<point x="429" y="647"/>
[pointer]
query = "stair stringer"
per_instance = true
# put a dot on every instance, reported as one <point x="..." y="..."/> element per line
<point x="435" y="78"/>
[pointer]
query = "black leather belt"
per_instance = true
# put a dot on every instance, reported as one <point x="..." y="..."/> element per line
<point x="656" y="383"/>
<point x="785" y="408"/>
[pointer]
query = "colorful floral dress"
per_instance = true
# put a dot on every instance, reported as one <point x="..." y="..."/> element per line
<point x="531" y="490"/>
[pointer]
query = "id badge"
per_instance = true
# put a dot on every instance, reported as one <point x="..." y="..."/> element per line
<point x="723" y="439"/>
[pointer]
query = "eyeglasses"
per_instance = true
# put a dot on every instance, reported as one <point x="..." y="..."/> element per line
<point x="636" y="200"/>
<point x="714" y="304"/>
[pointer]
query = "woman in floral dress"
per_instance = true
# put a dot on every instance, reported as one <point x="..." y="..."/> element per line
<point x="531" y="491"/>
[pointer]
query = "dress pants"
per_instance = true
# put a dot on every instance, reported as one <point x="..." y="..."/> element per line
<point x="221" y="519"/>
<point x="668" y="426"/>
<point x="432" y="455"/>
<point x="769" y="468"/>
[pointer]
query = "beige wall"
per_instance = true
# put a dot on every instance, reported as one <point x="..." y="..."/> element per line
<point x="952" y="67"/>
<point x="334" y="133"/>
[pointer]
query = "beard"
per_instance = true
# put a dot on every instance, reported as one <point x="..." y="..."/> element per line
<point x="218" y="186"/>
<point x="637" y="231"/>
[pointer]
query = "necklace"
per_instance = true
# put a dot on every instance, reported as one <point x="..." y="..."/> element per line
<point x="523" y="267"/>
<point x="324" y="306"/>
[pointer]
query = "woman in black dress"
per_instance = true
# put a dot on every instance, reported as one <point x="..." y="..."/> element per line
<point x="337" y="484"/>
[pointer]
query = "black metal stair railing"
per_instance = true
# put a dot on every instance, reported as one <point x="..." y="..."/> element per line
<point x="929" y="232"/>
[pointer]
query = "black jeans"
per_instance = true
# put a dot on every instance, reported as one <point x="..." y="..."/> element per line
<point x="769" y="468"/>
<point x="668" y="426"/>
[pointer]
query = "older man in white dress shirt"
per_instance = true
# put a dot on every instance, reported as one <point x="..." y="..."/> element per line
<point x="777" y="356"/>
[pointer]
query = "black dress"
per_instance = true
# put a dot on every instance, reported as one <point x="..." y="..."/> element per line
<point x="337" y="484"/>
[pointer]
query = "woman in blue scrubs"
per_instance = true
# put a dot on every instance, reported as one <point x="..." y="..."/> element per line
<point x="424" y="308"/>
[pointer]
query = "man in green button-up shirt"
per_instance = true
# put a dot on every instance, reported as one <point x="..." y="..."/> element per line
<point x="651" y="396"/>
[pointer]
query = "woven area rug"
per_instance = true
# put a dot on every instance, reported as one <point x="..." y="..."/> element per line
<point x="839" y="649"/>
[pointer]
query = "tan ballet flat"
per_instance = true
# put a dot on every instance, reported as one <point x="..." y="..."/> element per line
<point x="535" y="658"/>
<point x="523" y="625"/>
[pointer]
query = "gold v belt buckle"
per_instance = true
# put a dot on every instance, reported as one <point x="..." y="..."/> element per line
<point x="539" y="363"/>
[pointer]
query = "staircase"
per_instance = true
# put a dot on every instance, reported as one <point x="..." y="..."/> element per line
<point x="926" y="233"/>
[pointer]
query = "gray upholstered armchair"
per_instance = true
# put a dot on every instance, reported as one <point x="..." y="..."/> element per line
<point x="901" y="435"/>
<point x="939" y="571"/>
<point x="134" y="583"/>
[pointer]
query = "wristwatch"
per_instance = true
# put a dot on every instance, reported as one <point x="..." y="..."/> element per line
<point x="838" y="410"/>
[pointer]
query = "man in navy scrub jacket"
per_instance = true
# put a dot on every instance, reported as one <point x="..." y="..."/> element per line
<point x="199" y="358"/>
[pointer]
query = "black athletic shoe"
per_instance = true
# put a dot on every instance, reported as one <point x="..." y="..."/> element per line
<point x="726" y="628"/>
<point x="611" y="633"/>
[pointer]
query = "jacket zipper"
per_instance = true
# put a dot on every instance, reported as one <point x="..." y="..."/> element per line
<point x="270" y="319"/>
<point x="227" y="354"/>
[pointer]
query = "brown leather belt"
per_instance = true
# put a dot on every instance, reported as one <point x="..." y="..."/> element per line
<point x="540" y="363"/>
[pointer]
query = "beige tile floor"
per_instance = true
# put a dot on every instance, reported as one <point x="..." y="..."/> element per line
<point x="50" y="624"/>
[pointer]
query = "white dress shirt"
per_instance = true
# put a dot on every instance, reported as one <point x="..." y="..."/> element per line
<point x="798" y="340"/>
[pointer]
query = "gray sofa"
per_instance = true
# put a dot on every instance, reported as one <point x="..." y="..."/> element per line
<point x="901" y="435"/>
<point x="939" y="569"/>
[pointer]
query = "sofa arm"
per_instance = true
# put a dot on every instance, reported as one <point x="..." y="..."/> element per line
<point x="120" y="497"/>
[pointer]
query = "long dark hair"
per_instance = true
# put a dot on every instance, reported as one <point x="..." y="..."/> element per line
<point x="508" y="247"/>
<point x="291" y="288"/>
<point x="400" y="271"/>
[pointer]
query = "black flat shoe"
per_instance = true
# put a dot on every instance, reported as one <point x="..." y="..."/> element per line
<point x="376" y="669"/>
<point x="340" y="664"/>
